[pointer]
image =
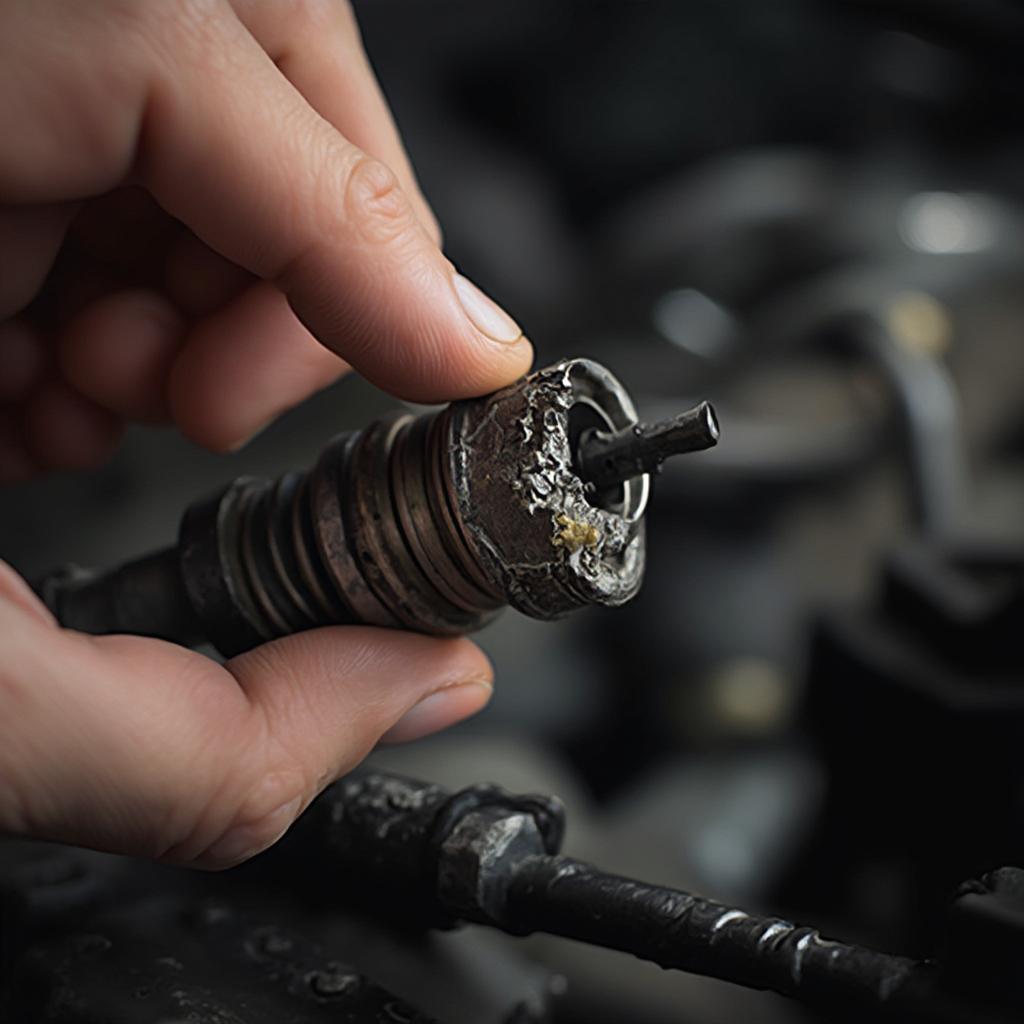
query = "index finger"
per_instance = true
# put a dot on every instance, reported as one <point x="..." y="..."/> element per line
<point x="234" y="151"/>
<point x="319" y="50"/>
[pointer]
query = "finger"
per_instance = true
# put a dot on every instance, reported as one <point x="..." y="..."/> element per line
<point x="75" y="118"/>
<point x="239" y="156"/>
<point x="318" y="703"/>
<point x="14" y="589"/>
<point x="318" y="48"/>
<point x="30" y="237"/>
<point x="118" y="352"/>
<point x="24" y="357"/>
<point x="242" y="366"/>
<point x="64" y="430"/>
<point x="140" y="746"/>
<point x="329" y="695"/>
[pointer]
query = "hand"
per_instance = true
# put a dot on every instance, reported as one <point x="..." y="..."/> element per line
<point x="205" y="215"/>
<point x="191" y="193"/>
<point x="140" y="746"/>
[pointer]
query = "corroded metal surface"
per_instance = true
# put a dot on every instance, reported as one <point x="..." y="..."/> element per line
<point x="526" y="510"/>
<point x="687" y="932"/>
<point x="201" y="964"/>
<point x="414" y="850"/>
<point x="430" y="522"/>
<point x="88" y="938"/>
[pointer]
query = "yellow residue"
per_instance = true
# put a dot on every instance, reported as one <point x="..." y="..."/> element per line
<point x="575" y="534"/>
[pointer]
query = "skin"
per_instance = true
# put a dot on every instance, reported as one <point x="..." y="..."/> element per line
<point x="207" y="215"/>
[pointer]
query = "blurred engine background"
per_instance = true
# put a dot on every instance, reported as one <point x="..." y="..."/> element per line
<point x="812" y="213"/>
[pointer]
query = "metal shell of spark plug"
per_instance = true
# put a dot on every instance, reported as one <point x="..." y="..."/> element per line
<point x="534" y="525"/>
<point x="429" y="522"/>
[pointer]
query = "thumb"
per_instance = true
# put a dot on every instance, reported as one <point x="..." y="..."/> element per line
<point x="324" y="699"/>
<point x="235" y="151"/>
<point x="138" y="746"/>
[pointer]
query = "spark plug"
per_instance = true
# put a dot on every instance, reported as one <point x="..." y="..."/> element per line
<point x="532" y="496"/>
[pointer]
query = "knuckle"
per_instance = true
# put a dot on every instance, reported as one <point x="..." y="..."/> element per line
<point x="184" y="33"/>
<point x="157" y="18"/>
<point x="375" y="203"/>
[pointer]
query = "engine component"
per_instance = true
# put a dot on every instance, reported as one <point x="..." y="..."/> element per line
<point x="223" y="968"/>
<point x="533" y="496"/>
<point x="86" y="937"/>
<point x="927" y="677"/>
<point x="419" y="853"/>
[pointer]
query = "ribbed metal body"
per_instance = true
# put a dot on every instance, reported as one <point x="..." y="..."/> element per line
<point x="370" y="535"/>
<point x="430" y="522"/>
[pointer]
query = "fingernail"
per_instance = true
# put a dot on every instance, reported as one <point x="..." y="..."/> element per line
<point x="438" y="710"/>
<point x="487" y="316"/>
<point x="244" y="841"/>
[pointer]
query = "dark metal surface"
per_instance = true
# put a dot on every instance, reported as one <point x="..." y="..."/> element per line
<point x="224" y="970"/>
<point x="686" y="932"/>
<point x="606" y="459"/>
<point x="917" y="707"/>
<point x="150" y="599"/>
<point x="88" y="938"/>
<point x="526" y="512"/>
<point x="430" y="523"/>
<point x="84" y="938"/>
<point x="421" y="854"/>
